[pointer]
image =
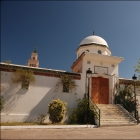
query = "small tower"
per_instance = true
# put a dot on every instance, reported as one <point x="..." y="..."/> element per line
<point x="34" y="62"/>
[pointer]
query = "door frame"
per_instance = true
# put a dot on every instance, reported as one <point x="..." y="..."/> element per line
<point x="98" y="101"/>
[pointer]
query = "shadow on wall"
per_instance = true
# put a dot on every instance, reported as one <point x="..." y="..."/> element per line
<point x="42" y="106"/>
<point x="28" y="104"/>
<point x="48" y="94"/>
<point x="11" y="94"/>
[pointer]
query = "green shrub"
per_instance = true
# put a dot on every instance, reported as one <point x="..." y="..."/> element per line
<point x="57" y="110"/>
<point x="126" y="98"/>
<point x="1" y="103"/>
<point x="79" y="115"/>
<point x="41" y="118"/>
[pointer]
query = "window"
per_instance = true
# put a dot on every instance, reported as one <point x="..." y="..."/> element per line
<point x="65" y="88"/>
<point x="33" y="65"/>
<point x="99" y="52"/>
<point x="25" y="85"/>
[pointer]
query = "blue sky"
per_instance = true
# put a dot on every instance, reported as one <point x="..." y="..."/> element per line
<point x="57" y="28"/>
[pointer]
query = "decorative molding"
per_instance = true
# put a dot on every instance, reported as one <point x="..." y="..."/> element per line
<point x="100" y="45"/>
<point x="101" y="70"/>
<point x="40" y="72"/>
<point x="101" y="75"/>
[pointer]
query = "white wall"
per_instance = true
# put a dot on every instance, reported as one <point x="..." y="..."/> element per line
<point x="26" y="105"/>
<point x="112" y="73"/>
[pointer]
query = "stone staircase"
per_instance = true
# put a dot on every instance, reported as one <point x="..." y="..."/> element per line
<point x="114" y="115"/>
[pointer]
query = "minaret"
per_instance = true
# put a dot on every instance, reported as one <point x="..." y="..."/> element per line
<point x="33" y="62"/>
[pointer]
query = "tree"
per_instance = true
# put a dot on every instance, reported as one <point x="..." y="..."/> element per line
<point x="137" y="68"/>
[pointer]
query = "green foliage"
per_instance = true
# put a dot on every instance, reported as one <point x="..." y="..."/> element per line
<point x="23" y="76"/>
<point x="1" y="103"/>
<point x="79" y="115"/>
<point x="57" y="110"/>
<point x="8" y="61"/>
<point x="125" y="97"/>
<point x="41" y="118"/>
<point x="67" y="81"/>
<point x="137" y="68"/>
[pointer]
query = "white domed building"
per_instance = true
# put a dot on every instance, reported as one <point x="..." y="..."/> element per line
<point x="95" y="72"/>
<point x="94" y="53"/>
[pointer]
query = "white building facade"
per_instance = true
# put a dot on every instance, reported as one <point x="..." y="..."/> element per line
<point x="24" y="105"/>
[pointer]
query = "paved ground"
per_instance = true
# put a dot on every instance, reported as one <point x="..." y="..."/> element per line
<point x="121" y="132"/>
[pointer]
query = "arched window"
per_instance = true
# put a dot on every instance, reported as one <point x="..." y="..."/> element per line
<point x="99" y="52"/>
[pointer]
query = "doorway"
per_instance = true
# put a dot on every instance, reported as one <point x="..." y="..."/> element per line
<point x="100" y="90"/>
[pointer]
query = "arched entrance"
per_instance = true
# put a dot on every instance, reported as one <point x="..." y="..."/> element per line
<point x="100" y="90"/>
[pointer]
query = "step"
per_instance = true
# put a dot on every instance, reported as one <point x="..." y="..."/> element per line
<point x="115" y="121"/>
<point x="121" y="119"/>
<point x="113" y="114"/>
<point x="125" y="124"/>
<point x="115" y="117"/>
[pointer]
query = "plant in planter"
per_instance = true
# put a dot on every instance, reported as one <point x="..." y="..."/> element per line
<point x="24" y="77"/>
<point x="67" y="82"/>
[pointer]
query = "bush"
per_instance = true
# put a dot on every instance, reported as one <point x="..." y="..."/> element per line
<point x="57" y="110"/>
<point x="126" y="98"/>
<point x="79" y="115"/>
<point x="41" y="118"/>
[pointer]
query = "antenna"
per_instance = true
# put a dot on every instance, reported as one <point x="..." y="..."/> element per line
<point x="93" y="32"/>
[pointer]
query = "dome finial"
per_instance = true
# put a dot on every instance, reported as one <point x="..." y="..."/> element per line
<point x="35" y="49"/>
<point x="93" y="32"/>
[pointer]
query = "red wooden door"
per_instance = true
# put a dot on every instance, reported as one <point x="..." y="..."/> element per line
<point x="100" y="90"/>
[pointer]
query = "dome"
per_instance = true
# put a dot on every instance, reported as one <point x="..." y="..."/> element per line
<point x="93" y="39"/>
